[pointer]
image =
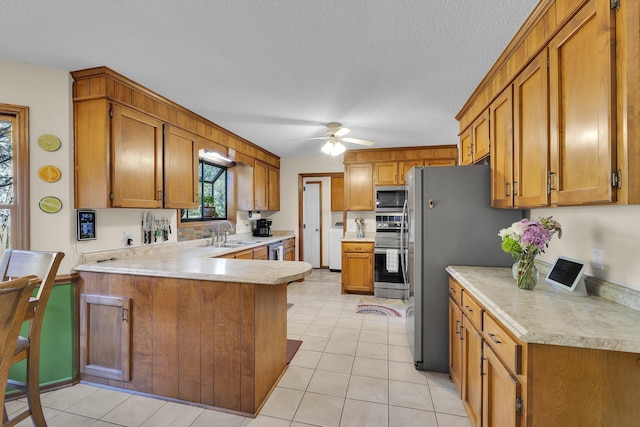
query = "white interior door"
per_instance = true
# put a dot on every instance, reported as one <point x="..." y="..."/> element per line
<point x="311" y="221"/>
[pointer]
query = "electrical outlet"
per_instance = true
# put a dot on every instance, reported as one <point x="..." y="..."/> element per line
<point x="597" y="258"/>
<point x="128" y="238"/>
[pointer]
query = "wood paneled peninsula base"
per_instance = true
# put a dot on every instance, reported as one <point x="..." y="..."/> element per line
<point x="218" y="340"/>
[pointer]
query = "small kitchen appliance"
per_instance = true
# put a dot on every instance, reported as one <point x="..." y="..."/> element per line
<point x="263" y="228"/>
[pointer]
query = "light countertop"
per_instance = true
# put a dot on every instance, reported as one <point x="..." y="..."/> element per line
<point x="549" y="316"/>
<point x="350" y="236"/>
<point x="187" y="261"/>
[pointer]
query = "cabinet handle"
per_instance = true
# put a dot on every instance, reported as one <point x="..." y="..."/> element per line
<point x="494" y="339"/>
<point x="482" y="359"/>
<point x="452" y="290"/>
<point x="469" y="309"/>
<point x="160" y="195"/>
<point x="461" y="336"/>
<point x="124" y="314"/>
<point x="470" y="150"/>
<point x="507" y="185"/>
<point x="549" y="187"/>
<point x="457" y="330"/>
<point x="515" y="188"/>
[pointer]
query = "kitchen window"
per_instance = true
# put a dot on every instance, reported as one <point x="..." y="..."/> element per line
<point x="212" y="194"/>
<point x="14" y="169"/>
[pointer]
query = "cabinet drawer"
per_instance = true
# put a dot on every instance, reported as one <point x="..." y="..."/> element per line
<point x="455" y="291"/>
<point x="357" y="247"/>
<point x="289" y="243"/>
<point x="472" y="310"/>
<point x="501" y="342"/>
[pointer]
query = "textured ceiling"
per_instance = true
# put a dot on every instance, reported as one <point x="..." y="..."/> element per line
<point x="394" y="71"/>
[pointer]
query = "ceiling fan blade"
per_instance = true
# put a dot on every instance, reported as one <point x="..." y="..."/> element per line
<point x="342" y="132"/>
<point x="358" y="141"/>
<point x="310" y="139"/>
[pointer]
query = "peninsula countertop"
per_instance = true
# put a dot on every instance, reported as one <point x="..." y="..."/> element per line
<point x="549" y="316"/>
<point x="188" y="261"/>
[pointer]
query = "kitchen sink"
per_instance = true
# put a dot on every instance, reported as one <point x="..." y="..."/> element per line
<point x="235" y="244"/>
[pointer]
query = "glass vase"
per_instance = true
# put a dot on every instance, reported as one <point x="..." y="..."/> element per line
<point x="525" y="274"/>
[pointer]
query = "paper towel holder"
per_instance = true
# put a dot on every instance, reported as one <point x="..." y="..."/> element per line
<point x="254" y="215"/>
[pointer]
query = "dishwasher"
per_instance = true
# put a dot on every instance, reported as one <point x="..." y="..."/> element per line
<point x="276" y="251"/>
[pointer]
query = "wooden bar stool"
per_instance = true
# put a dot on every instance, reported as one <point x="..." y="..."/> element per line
<point x="44" y="266"/>
<point x="14" y="302"/>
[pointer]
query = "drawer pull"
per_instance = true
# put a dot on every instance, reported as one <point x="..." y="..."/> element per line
<point x="452" y="290"/>
<point x="469" y="309"/>
<point x="494" y="339"/>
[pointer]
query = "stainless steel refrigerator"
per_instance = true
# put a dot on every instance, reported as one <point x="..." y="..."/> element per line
<point x="450" y="222"/>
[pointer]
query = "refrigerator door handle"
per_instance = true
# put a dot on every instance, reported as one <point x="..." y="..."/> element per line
<point x="403" y="255"/>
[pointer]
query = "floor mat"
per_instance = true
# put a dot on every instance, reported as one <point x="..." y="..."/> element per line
<point x="292" y="348"/>
<point x="382" y="306"/>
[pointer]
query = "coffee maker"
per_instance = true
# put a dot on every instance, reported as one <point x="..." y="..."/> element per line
<point x="263" y="228"/>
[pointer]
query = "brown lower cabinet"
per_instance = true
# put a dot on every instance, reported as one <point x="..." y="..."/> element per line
<point x="213" y="343"/>
<point x="357" y="267"/>
<point x="506" y="382"/>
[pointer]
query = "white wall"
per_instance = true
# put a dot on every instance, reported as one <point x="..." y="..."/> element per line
<point x="47" y="93"/>
<point x="615" y="229"/>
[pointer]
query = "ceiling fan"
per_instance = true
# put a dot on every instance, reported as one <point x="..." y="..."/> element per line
<point x="335" y="136"/>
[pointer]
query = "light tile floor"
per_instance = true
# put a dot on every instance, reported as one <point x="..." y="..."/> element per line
<point x="352" y="370"/>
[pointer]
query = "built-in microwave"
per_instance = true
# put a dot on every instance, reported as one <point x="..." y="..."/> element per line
<point x="390" y="198"/>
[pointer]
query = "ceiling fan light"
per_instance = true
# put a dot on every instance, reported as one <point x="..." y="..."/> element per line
<point x="326" y="148"/>
<point x="333" y="148"/>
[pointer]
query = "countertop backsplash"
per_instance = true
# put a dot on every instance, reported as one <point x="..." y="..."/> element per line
<point x="598" y="287"/>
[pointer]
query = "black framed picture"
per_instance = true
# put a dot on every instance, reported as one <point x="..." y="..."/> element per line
<point x="86" y="225"/>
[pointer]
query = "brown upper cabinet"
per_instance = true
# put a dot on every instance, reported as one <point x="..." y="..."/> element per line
<point x="367" y="168"/>
<point x="564" y="108"/>
<point x="180" y="169"/>
<point x="274" y="189"/>
<point x="337" y="193"/>
<point x="358" y="187"/>
<point x="474" y="141"/>
<point x="260" y="186"/>
<point x="582" y="107"/>
<point x="386" y="173"/>
<point x="134" y="148"/>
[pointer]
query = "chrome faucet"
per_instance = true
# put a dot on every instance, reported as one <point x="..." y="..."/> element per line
<point x="226" y="233"/>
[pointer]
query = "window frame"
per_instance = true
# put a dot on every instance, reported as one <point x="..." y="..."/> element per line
<point x="20" y="210"/>
<point x="203" y="220"/>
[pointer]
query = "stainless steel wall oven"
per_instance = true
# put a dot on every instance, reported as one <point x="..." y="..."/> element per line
<point x="389" y="277"/>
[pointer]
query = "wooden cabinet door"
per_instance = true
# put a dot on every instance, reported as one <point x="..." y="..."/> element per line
<point x="105" y="328"/>
<point x="136" y="159"/>
<point x="471" y="372"/>
<point x="357" y="267"/>
<point x="404" y="167"/>
<point x="436" y="162"/>
<point x="501" y="393"/>
<point x="261" y="253"/>
<point x="455" y="345"/>
<point x="337" y="193"/>
<point x="582" y="107"/>
<point x="260" y="185"/>
<point x="289" y="249"/>
<point x="531" y="146"/>
<point x="386" y="173"/>
<point x="466" y="147"/>
<point x="501" y="133"/>
<point x="180" y="169"/>
<point x="274" y="189"/>
<point x="480" y="130"/>
<point x="357" y="272"/>
<point x="358" y="180"/>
